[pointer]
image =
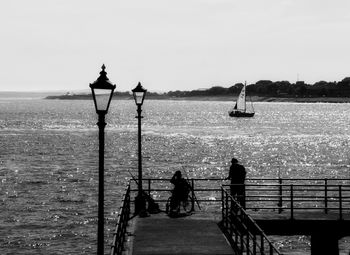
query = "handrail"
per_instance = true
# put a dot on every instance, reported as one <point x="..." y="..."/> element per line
<point x="245" y="236"/>
<point x="259" y="179"/>
<point x="281" y="195"/>
<point x="119" y="234"/>
<point x="292" y="197"/>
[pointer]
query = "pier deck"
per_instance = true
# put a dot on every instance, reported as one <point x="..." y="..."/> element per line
<point x="159" y="234"/>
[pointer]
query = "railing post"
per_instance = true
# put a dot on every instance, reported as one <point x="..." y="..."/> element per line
<point x="262" y="244"/>
<point x="226" y="209"/>
<point x="241" y="242"/>
<point x="271" y="249"/>
<point x="230" y="214"/>
<point x="280" y="196"/>
<point x="340" y="204"/>
<point x="149" y="187"/>
<point x="247" y="241"/>
<point x="192" y="182"/>
<point x="222" y="205"/>
<point x="325" y="196"/>
<point x="254" y="243"/>
<point x="291" y="202"/>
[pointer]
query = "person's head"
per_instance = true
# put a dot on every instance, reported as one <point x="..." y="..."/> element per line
<point x="178" y="174"/>
<point x="234" y="161"/>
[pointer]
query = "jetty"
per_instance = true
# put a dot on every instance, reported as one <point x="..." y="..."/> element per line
<point x="319" y="208"/>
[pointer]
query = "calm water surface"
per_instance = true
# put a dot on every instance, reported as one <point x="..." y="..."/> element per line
<point x="49" y="160"/>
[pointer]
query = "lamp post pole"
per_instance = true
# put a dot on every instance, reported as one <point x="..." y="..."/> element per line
<point x="140" y="203"/>
<point x="102" y="92"/>
<point x="100" y="229"/>
<point x="139" y="117"/>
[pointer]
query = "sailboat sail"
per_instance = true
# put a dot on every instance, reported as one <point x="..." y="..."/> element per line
<point x="240" y="104"/>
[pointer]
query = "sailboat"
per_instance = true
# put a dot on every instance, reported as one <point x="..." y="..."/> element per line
<point x="240" y="109"/>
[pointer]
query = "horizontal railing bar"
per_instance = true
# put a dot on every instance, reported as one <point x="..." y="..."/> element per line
<point x="200" y="190"/>
<point x="199" y="200"/>
<point x="310" y="198"/>
<point x="288" y="185"/>
<point x="252" y="190"/>
<point x="285" y="196"/>
<point x="257" y="179"/>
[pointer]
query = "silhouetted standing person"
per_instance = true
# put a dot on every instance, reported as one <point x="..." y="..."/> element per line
<point x="237" y="176"/>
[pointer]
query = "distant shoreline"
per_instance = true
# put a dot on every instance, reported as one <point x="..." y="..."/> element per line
<point x="219" y="98"/>
<point x="268" y="99"/>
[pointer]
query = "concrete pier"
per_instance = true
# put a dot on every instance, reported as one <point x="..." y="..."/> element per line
<point x="159" y="234"/>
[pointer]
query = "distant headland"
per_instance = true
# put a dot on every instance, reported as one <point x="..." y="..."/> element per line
<point x="263" y="91"/>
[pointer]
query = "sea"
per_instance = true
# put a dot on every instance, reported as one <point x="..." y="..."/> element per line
<point x="49" y="160"/>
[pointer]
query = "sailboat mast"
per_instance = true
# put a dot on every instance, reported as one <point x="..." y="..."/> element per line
<point x="245" y="93"/>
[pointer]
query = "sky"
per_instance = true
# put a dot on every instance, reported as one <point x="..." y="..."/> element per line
<point x="171" y="45"/>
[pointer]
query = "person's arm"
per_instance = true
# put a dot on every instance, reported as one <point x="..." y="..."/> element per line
<point x="173" y="179"/>
<point x="189" y="186"/>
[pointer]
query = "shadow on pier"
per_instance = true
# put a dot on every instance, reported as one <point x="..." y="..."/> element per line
<point x="318" y="208"/>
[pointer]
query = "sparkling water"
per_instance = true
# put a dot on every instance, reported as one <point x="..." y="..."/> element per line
<point x="49" y="160"/>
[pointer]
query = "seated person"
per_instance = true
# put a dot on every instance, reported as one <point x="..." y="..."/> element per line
<point x="180" y="191"/>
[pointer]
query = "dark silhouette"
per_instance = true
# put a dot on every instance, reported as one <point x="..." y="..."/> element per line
<point x="282" y="89"/>
<point x="237" y="175"/>
<point x="262" y="88"/>
<point x="180" y="194"/>
<point x="153" y="207"/>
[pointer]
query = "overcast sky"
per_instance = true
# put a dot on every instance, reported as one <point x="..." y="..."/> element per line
<point x="171" y="45"/>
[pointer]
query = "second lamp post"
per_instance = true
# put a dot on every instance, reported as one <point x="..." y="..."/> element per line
<point x="139" y="95"/>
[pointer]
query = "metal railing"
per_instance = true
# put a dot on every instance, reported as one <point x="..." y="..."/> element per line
<point x="206" y="190"/>
<point x="326" y="195"/>
<point x="119" y="235"/>
<point x="323" y="198"/>
<point x="245" y="236"/>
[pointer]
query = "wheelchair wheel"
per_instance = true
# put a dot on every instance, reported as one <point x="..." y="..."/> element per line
<point x="172" y="207"/>
<point x="167" y="206"/>
<point x="187" y="205"/>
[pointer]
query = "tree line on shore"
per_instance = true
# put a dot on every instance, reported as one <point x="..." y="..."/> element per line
<point x="267" y="88"/>
<point x="262" y="88"/>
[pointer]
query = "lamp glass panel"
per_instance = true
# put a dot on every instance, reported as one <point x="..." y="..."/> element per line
<point x="102" y="98"/>
<point x="139" y="97"/>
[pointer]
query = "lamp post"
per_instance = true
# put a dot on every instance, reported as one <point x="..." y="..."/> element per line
<point x="102" y="92"/>
<point x="139" y="95"/>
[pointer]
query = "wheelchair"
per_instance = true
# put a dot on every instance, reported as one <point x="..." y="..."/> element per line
<point x="179" y="206"/>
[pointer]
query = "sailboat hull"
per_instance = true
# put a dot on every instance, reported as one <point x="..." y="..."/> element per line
<point x="241" y="114"/>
